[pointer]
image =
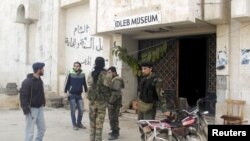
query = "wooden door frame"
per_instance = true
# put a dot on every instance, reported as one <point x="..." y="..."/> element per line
<point x="177" y="73"/>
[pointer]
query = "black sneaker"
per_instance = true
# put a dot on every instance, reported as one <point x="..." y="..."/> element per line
<point x="75" y="127"/>
<point x="81" y="126"/>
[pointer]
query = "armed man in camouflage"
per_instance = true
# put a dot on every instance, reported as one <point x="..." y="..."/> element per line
<point x="99" y="82"/>
<point x="150" y="92"/>
<point x="115" y="103"/>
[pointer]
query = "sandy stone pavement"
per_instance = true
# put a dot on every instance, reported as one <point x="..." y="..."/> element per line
<point x="59" y="128"/>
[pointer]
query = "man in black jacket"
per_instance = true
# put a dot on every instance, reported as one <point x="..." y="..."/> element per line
<point x="32" y="101"/>
<point x="150" y="93"/>
<point x="75" y="82"/>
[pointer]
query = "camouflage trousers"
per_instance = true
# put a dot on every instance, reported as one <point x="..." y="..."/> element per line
<point x="97" y="112"/>
<point x="114" y="112"/>
<point x="150" y="115"/>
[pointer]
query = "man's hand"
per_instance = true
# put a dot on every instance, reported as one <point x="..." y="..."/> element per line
<point x="65" y="97"/>
<point x="86" y="95"/>
<point x="26" y="111"/>
<point x="167" y="114"/>
<point x="170" y="115"/>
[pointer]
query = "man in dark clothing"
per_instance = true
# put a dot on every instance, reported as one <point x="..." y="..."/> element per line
<point x="32" y="101"/>
<point x="151" y="93"/>
<point x="99" y="82"/>
<point x="75" y="82"/>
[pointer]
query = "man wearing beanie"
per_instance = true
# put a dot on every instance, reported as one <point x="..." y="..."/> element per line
<point x="32" y="101"/>
<point x="99" y="82"/>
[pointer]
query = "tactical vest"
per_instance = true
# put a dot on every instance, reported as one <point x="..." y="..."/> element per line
<point x="148" y="91"/>
<point x="121" y="80"/>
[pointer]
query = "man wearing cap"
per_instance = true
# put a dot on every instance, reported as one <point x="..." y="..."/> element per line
<point x="151" y="93"/>
<point x="32" y="101"/>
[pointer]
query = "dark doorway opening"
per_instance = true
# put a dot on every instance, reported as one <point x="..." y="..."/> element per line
<point x="192" y="68"/>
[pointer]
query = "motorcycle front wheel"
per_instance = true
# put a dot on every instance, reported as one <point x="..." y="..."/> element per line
<point x="197" y="137"/>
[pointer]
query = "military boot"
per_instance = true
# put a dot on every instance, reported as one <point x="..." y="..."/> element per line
<point x="114" y="136"/>
<point x="112" y="132"/>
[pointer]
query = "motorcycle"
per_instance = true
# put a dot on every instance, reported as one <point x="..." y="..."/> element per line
<point x="187" y="125"/>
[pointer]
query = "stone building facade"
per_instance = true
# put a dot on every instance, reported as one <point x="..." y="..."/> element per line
<point x="60" y="32"/>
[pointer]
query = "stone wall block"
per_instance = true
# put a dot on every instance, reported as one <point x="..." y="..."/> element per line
<point x="53" y="100"/>
<point x="11" y="89"/>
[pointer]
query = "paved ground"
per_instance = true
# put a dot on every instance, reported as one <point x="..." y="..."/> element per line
<point x="59" y="127"/>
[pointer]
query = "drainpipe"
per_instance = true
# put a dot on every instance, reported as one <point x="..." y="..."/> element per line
<point x="229" y="51"/>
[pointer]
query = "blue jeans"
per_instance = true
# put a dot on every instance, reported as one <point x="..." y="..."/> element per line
<point x="36" y="117"/>
<point x="76" y="102"/>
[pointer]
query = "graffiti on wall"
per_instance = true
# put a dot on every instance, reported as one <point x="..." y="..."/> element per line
<point x="221" y="59"/>
<point x="86" y="61"/>
<point x="245" y="56"/>
<point x="221" y="82"/>
<point x="89" y="60"/>
<point x="82" y="40"/>
<point x="81" y="29"/>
